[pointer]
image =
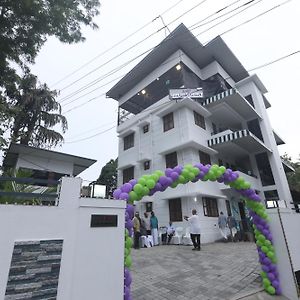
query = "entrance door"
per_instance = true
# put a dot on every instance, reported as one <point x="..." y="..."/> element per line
<point x="244" y="222"/>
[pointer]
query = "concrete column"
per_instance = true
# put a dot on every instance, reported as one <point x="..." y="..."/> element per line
<point x="284" y="240"/>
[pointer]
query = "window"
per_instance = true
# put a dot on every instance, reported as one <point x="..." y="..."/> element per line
<point x="264" y="168"/>
<point x="148" y="206"/>
<point x="249" y="100"/>
<point x="204" y="158"/>
<point x="168" y="121"/>
<point x="228" y="208"/>
<point x="146" y="128"/>
<point x="254" y="127"/>
<point x="147" y="165"/>
<point x="128" y="174"/>
<point x="199" y="120"/>
<point x="175" y="210"/>
<point x="271" y="198"/>
<point x="210" y="207"/>
<point x="129" y="141"/>
<point x="171" y="160"/>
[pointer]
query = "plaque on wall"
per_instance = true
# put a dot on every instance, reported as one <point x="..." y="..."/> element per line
<point x="104" y="221"/>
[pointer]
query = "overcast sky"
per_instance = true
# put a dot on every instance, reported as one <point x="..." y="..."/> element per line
<point x="265" y="39"/>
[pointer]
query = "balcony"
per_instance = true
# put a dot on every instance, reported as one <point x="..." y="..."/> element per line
<point x="229" y="107"/>
<point x="237" y="143"/>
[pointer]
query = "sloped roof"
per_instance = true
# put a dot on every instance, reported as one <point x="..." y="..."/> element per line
<point x="80" y="163"/>
<point x="181" y="38"/>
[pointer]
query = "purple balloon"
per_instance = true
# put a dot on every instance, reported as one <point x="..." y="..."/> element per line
<point x="117" y="193"/>
<point x="265" y="232"/>
<point x="178" y="169"/>
<point x="129" y="224"/>
<point x="126" y="216"/>
<point x="158" y="187"/>
<point x="265" y="268"/>
<point x="124" y="196"/>
<point x="267" y="261"/>
<point x="278" y="291"/>
<point x="198" y="165"/>
<point x="133" y="182"/>
<point x="168" y="172"/>
<point x="126" y="188"/>
<point x="275" y="284"/>
<point x="174" y="176"/>
<point x="128" y="279"/>
<point x="126" y="293"/>
<point x="130" y="210"/>
<point x="271" y="276"/>
<point x="272" y="267"/>
<point x="130" y="231"/>
<point x="163" y="180"/>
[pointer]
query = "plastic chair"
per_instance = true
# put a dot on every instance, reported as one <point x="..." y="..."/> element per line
<point x="186" y="239"/>
<point x="177" y="238"/>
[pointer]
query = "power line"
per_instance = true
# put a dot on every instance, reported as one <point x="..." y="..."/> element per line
<point x="235" y="27"/>
<point x="123" y="65"/>
<point x="131" y="47"/>
<point x="115" y="45"/>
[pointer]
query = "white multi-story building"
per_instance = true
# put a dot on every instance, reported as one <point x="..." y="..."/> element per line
<point x="229" y="126"/>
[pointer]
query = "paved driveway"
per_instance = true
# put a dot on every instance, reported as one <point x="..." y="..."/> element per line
<point x="218" y="271"/>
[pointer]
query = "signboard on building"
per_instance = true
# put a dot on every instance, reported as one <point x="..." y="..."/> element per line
<point x="177" y="94"/>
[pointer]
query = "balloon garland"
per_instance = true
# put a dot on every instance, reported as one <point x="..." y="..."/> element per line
<point x="159" y="181"/>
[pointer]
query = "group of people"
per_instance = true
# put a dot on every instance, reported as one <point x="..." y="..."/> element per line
<point x="230" y="223"/>
<point x="145" y="228"/>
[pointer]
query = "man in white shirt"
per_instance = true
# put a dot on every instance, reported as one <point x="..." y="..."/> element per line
<point x="170" y="232"/>
<point x="194" y="222"/>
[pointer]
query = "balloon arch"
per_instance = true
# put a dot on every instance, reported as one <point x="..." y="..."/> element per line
<point x="159" y="181"/>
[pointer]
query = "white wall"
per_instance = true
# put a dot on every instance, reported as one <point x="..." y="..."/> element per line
<point x="285" y="226"/>
<point x="92" y="258"/>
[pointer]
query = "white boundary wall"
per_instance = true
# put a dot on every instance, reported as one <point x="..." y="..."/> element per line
<point x="92" y="258"/>
<point x="285" y="226"/>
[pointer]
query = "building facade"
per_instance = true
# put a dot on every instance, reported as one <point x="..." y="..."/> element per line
<point x="228" y="126"/>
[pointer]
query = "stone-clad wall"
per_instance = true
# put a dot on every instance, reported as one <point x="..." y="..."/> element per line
<point x="34" y="270"/>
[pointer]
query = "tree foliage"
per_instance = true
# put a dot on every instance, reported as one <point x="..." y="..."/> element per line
<point x="24" y="28"/>
<point x="35" y="113"/>
<point x="109" y="176"/>
<point x="293" y="177"/>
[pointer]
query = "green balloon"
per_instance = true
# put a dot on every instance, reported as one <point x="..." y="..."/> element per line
<point x="128" y="242"/>
<point x="146" y="191"/>
<point x="263" y="274"/>
<point x="259" y="243"/>
<point x="154" y="177"/>
<point x="222" y="169"/>
<point x="195" y="171"/>
<point x="126" y="233"/>
<point x="188" y="166"/>
<point x="174" y="184"/>
<point x="150" y="183"/>
<point x="128" y="261"/>
<point x="133" y="196"/>
<point x="138" y="188"/>
<point x="159" y="173"/>
<point x="185" y="173"/>
<point x="142" y="181"/>
<point x="266" y="282"/>
<point x="181" y="179"/>
<point x="126" y="252"/>
<point x="261" y="238"/>
<point x="264" y="249"/>
<point x="268" y="243"/>
<point x="190" y="176"/>
<point x="271" y="254"/>
<point x="271" y="290"/>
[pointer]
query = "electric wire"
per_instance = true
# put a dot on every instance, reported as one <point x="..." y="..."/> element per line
<point x="120" y="67"/>
<point x="127" y="49"/>
<point x="115" y="45"/>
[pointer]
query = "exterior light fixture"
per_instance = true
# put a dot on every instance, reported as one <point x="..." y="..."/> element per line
<point x="157" y="78"/>
<point x="178" y="67"/>
<point x="143" y="92"/>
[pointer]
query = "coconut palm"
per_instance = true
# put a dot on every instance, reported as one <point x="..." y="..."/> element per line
<point x="36" y="112"/>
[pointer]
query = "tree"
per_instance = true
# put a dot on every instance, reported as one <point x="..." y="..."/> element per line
<point x="35" y="112"/>
<point x="25" y="26"/>
<point x="293" y="177"/>
<point x="108" y="177"/>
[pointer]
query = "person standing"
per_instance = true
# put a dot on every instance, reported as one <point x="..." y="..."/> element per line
<point x="222" y="222"/>
<point x="195" y="231"/>
<point x="146" y="221"/>
<point x="136" y="230"/>
<point x="154" y="228"/>
<point x="232" y="225"/>
<point x="170" y="232"/>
